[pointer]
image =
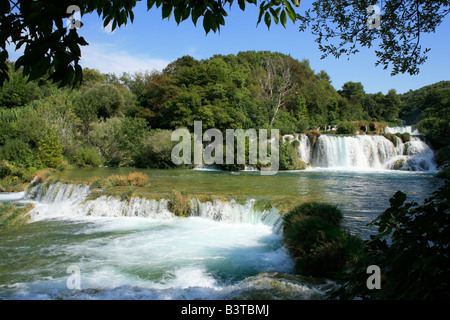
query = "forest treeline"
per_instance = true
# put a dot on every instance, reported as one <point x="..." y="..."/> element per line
<point x="126" y="120"/>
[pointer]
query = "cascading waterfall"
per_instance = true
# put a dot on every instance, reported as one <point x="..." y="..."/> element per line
<point x="360" y="151"/>
<point x="416" y="156"/>
<point x="138" y="248"/>
<point x="366" y="152"/>
<point x="304" y="149"/>
<point x="404" y="129"/>
<point x="69" y="200"/>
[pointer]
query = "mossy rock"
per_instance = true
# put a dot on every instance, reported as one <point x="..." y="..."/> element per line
<point x="398" y="164"/>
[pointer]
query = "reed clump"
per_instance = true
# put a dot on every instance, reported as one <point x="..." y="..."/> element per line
<point x="179" y="204"/>
<point x="135" y="179"/>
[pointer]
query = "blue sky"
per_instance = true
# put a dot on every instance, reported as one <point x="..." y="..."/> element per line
<point x="151" y="43"/>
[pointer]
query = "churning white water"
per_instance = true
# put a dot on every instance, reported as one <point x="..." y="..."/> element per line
<point x="137" y="248"/>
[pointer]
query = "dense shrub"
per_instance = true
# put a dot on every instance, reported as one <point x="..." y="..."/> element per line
<point x="17" y="151"/>
<point x="137" y="179"/>
<point x="288" y="156"/>
<point x="156" y="152"/>
<point x="393" y="138"/>
<point x="50" y="151"/>
<point x="347" y="128"/>
<point x="315" y="239"/>
<point x="13" y="178"/>
<point x="89" y="157"/>
<point x="436" y="130"/>
<point x="405" y="137"/>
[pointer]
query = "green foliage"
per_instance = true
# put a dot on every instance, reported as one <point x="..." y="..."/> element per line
<point x="437" y="131"/>
<point x="156" y="152"/>
<point x="393" y="138"/>
<point x="17" y="151"/>
<point x="50" y="151"/>
<point x="319" y="246"/>
<point x="347" y="128"/>
<point x="288" y="157"/>
<point x="405" y="137"/>
<point x="13" y="177"/>
<point x="418" y="104"/>
<point x="340" y="28"/>
<point x="89" y="157"/>
<point x="118" y="139"/>
<point x="411" y="249"/>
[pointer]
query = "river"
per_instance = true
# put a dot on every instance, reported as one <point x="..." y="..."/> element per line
<point x="228" y="250"/>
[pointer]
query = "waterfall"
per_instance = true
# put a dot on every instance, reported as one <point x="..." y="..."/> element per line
<point x="403" y="129"/>
<point x="60" y="200"/>
<point x="367" y="152"/>
<point x="360" y="151"/>
<point x="417" y="156"/>
<point x="231" y="211"/>
<point x="304" y="149"/>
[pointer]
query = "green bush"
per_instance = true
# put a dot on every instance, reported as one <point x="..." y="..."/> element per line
<point x="347" y="128"/>
<point x="157" y="151"/>
<point x="392" y="137"/>
<point x="325" y="211"/>
<point x="436" y="130"/>
<point x="405" y="137"/>
<point x="17" y="151"/>
<point x="89" y="157"/>
<point x="314" y="237"/>
<point x="50" y="151"/>
<point x="288" y="156"/>
<point x="13" y="176"/>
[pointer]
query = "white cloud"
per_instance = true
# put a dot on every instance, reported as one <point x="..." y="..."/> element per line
<point x="108" y="28"/>
<point x="108" y="59"/>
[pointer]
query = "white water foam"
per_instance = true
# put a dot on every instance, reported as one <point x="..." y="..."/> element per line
<point x="68" y="201"/>
<point x="138" y="249"/>
<point x="403" y="129"/>
<point x="12" y="196"/>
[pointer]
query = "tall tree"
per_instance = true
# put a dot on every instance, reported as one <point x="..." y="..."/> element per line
<point x="275" y="84"/>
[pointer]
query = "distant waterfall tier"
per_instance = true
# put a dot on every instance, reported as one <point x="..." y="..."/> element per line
<point x="60" y="200"/>
<point x="366" y="152"/>
<point x="403" y="129"/>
